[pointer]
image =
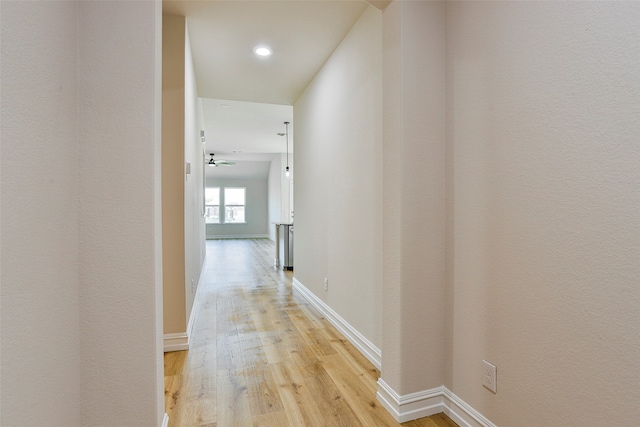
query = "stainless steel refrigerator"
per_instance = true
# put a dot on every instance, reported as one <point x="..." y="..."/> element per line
<point x="286" y="246"/>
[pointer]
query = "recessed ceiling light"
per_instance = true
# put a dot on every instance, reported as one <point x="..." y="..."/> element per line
<point x="224" y="106"/>
<point x="262" y="51"/>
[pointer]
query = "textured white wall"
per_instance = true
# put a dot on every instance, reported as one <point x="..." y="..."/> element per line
<point x="534" y="193"/>
<point x="81" y="285"/>
<point x="544" y="106"/>
<point x="118" y="142"/>
<point x="40" y="336"/>
<point x="338" y="159"/>
<point x="414" y="196"/>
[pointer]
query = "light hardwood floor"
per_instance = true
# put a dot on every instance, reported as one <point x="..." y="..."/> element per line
<point x="262" y="356"/>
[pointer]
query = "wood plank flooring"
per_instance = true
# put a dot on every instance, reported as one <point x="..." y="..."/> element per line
<point x="262" y="356"/>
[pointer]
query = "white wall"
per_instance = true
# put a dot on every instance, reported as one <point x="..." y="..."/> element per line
<point x="194" y="231"/>
<point x="40" y="340"/>
<point x="537" y="142"/>
<point x="280" y="193"/>
<point x="182" y="193"/>
<point x="414" y="283"/>
<point x="120" y="290"/>
<point x="286" y="186"/>
<point x="275" y="195"/>
<point x="338" y="158"/>
<point x="173" y="177"/>
<point x="256" y="210"/>
<point x="81" y="282"/>
<point x="544" y="106"/>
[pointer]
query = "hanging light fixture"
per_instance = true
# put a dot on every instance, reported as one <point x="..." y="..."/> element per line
<point x="286" y="132"/>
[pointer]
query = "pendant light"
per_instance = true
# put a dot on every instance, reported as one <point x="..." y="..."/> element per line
<point x="286" y="132"/>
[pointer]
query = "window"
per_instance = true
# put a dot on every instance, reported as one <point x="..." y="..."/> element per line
<point x="233" y="200"/>
<point x="234" y="203"/>
<point x="212" y="205"/>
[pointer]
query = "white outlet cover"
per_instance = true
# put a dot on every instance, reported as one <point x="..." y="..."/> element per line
<point x="490" y="376"/>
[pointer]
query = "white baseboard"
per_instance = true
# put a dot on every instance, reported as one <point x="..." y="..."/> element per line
<point x="462" y="413"/>
<point x="180" y="341"/>
<point x="403" y="408"/>
<point x="411" y="406"/>
<point x="176" y="342"/>
<point x="366" y="347"/>
<point x="237" y="236"/>
<point x="429" y="402"/>
<point x="165" y="420"/>
<point x="195" y="307"/>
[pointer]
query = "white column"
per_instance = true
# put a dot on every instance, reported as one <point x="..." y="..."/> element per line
<point x="119" y="213"/>
<point x="413" y="334"/>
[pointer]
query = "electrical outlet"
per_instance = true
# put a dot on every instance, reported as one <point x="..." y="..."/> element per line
<point x="326" y="284"/>
<point x="489" y="376"/>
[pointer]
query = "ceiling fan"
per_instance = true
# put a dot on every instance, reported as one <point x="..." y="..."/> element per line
<point x="220" y="162"/>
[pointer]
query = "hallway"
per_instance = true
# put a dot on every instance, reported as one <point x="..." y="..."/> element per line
<point x="261" y="356"/>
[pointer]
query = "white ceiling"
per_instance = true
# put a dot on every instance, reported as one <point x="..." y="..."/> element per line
<point x="246" y="133"/>
<point x="259" y="92"/>
<point x="249" y="127"/>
